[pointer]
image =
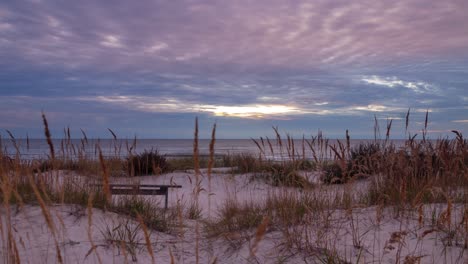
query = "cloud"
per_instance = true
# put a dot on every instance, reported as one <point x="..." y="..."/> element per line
<point x="392" y="82"/>
<point x="156" y="47"/>
<point x="258" y="110"/>
<point x="242" y="34"/>
<point x="251" y="111"/>
<point x="172" y="105"/>
<point x="242" y="60"/>
<point x="374" y="108"/>
<point x="111" y="41"/>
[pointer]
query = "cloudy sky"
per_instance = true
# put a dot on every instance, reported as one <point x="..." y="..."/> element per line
<point x="148" y="68"/>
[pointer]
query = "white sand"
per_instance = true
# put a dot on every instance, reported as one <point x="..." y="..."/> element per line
<point x="373" y="242"/>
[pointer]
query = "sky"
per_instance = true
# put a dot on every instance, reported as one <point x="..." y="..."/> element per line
<point x="149" y="68"/>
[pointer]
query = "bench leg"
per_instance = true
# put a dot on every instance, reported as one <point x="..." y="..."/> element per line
<point x="166" y="199"/>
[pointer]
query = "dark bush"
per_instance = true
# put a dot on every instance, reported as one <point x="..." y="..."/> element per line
<point x="365" y="159"/>
<point x="42" y="166"/>
<point x="147" y="163"/>
<point x="6" y="163"/>
<point x="152" y="216"/>
<point x="333" y="173"/>
<point x="244" y="162"/>
<point x="286" y="174"/>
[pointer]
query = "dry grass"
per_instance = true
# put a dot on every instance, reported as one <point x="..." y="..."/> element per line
<point x="211" y="164"/>
<point x="406" y="179"/>
<point x="197" y="189"/>
<point x="37" y="182"/>
<point x="403" y="177"/>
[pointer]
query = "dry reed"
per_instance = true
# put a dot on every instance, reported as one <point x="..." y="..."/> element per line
<point x="90" y="232"/>
<point x="211" y="162"/>
<point x="147" y="238"/>
<point x="48" y="136"/>
<point x="197" y="189"/>
<point x="48" y="218"/>
<point x="407" y="178"/>
<point x="259" y="234"/>
<point x="105" y="177"/>
<point x="171" y="256"/>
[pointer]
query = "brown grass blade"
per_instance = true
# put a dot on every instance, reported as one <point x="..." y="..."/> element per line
<point x="348" y="143"/>
<point x="13" y="140"/>
<point x="113" y="134"/>
<point x="211" y="164"/>
<point x="84" y="136"/>
<point x="27" y="141"/>
<point x="262" y="151"/>
<point x="271" y="146"/>
<point x="48" y="136"/>
<point x="303" y="147"/>
<point x="147" y="238"/>
<point x="68" y="134"/>
<point x="105" y="176"/>
<point x="389" y="127"/>
<point x="171" y="256"/>
<point x="261" y="230"/>
<point x="195" y="150"/>
<point x="47" y="216"/>
<point x="376" y="128"/>
<point x="424" y="131"/>
<point x="407" y="120"/>
<point x="90" y="232"/>
<point x="425" y="121"/>
<point x="197" y="186"/>
<point x="279" y="141"/>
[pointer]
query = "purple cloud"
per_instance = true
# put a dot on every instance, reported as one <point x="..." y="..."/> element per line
<point x="160" y="35"/>
<point x="299" y="58"/>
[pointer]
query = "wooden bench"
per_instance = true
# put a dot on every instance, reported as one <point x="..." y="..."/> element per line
<point x="144" y="189"/>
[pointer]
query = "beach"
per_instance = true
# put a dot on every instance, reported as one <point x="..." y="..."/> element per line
<point x="240" y="208"/>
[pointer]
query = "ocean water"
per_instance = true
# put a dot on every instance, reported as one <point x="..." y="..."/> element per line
<point x="39" y="149"/>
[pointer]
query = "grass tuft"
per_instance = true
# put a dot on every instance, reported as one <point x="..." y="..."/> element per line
<point x="147" y="163"/>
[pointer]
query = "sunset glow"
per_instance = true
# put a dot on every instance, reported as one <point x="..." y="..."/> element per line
<point x="254" y="111"/>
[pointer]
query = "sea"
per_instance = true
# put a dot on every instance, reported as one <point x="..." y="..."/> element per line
<point x="40" y="149"/>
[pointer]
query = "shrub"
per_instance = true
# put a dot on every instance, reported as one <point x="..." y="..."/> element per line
<point x="288" y="207"/>
<point x="194" y="211"/>
<point x="285" y="174"/>
<point x="186" y="163"/>
<point x="181" y="163"/>
<point x="244" y="162"/>
<point x="412" y="174"/>
<point x="332" y="173"/>
<point x="148" y="162"/>
<point x="234" y="216"/>
<point x="83" y="166"/>
<point x="153" y="217"/>
<point x="364" y="159"/>
<point x="124" y="235"/>
<point x="41" y="166"/>
<point x="6" y="162"/>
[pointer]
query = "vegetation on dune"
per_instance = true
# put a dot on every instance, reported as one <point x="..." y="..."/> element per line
<point x="404" y="178"/>
<point x="147" y="163"/>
